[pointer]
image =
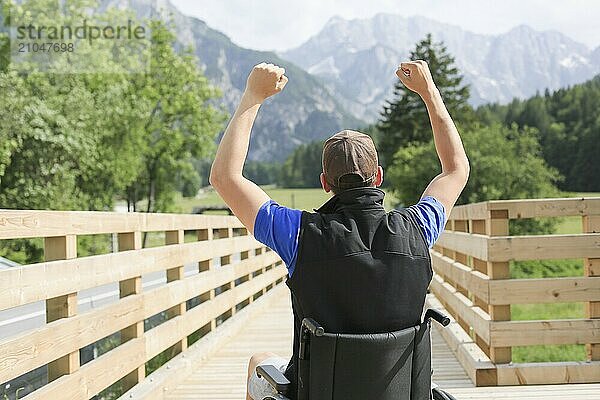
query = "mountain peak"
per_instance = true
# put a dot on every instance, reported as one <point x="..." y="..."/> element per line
<point x="335" y="20"/>
<point x="353" y="55"/>
<point x="522" y="28"/>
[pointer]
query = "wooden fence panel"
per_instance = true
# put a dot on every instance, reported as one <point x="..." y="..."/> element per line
<point x="221" y="289"/>
<point x="476" y="260"/>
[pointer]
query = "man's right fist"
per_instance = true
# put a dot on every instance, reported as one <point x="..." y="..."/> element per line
<point x="416" y="76"/>
<point x="265" y="80"/>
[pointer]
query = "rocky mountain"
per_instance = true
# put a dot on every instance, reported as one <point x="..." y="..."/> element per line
<point x="358" y="59"/>
<point x="595" y="57"/>
<point x="305" y="111"/>
<point x="342" y="76"/>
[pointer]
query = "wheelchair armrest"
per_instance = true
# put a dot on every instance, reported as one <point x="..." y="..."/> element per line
<point x="275" y="378"/>
<point x="437" y="316"/>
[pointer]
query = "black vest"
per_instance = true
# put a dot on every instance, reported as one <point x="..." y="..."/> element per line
<point x="359" y="269"/>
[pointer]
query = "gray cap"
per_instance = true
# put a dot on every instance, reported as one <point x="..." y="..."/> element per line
<point x="349" y="160"/>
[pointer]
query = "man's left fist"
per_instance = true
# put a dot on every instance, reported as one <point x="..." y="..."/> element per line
<point x="265" y="80"/>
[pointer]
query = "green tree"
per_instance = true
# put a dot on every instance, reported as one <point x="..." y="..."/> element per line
<point x="404" y="119"/>
<point x="97" y="136"/>
<point x="303" y="167"/>
<point x="79" y="141"/>
<point x="585" y="175"/>
<point x="567" y="120"/>
<point x="181" y="124"/>
<point x="63" y="137"/>
<point x="506" y="163"/>
<point x="262" y="173"/>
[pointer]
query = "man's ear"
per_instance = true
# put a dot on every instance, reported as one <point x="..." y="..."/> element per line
<point x="324" y="183"/>
<point x="379" y="177"/>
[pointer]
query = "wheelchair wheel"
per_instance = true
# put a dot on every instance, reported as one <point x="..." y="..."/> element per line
<point x="439" y="394"/>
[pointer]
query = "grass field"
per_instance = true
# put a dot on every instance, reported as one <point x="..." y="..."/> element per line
<point x="307" y="199"/>
<point x="303" y="199"/>
<point x="572" y="224"/>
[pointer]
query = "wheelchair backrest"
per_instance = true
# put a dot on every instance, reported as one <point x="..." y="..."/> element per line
<point x="382" y="366"/>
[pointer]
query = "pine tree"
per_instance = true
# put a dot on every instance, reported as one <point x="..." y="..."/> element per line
<point x="404" y="120"/>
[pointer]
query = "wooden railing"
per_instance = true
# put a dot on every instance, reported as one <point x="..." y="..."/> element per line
<point x="246" y="271"/>
<point x="472" y="265"/>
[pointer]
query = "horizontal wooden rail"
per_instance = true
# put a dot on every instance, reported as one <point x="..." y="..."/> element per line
<point x="529" y="208"/>
<point x="16" y="224"/>
<point x="543" y="247"/>
<point x="470" y="244"/>
<point x="527" y="333"/>
<point x="548" y="373"/>
<point x="521" y="248"/>
<point x="474" y="281"/>
<point x="217" y="293"/>
<point x="29" y="283"/>
<point x="461" y="305"/>
<point x="94" y="376"/>
<point x="33" y="349"/>
<point x="544" y="290"/>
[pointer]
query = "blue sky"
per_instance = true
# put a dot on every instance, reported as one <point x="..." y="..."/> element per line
<point x="281" y="24"/>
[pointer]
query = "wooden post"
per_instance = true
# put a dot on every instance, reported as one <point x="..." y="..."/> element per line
<point x="497" y="225"/>
<point x="479" y="227"/>
<point x="61" y="248"/>
<point x="175" y="274"/>
<point x="131" y="241"/>
<point x="225" y="233"/>
<point x="205" y="234"/>
<point x="243" y="256"/>
<point x="591" y="266"/>
<point x="207" y="265"/>
<point x="461" y="226"/>
<point x="233" y="309"/>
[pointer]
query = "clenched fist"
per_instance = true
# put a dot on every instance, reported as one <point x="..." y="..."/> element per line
<point x="416" y="76"/>
<point x="265" y="80"/>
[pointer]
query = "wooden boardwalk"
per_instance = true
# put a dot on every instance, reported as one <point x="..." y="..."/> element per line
<point x="222" y="376"/>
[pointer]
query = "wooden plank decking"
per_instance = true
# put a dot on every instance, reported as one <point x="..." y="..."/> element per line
<point x="222" y="376"/>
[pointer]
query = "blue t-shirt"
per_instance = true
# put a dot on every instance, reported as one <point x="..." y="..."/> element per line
<point x="278" y="227"/>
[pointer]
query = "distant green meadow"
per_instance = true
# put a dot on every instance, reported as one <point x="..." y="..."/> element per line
<point x="303" y="199"/>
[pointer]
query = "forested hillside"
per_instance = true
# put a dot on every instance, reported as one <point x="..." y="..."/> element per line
<point x="568" y="121"/>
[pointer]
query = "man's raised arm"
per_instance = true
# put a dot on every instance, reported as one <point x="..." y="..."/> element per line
<point x="447" y="186"/>
<point x="243" y="196"/>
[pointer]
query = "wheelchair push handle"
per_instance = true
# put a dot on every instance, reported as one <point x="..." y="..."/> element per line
<point x="313" y="326"/>
<point x="438" y="316"/>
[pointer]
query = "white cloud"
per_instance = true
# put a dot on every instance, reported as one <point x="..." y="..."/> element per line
<point x="279" y="25"/>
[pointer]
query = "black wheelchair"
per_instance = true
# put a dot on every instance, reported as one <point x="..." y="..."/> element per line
<point x="381" y="366"/>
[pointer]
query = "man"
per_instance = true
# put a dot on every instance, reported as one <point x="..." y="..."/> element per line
<point x="351" y="266"/>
